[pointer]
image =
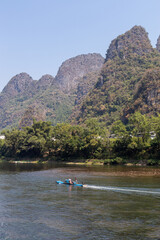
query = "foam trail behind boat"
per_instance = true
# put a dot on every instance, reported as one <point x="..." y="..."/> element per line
<point x="122" y="189"/>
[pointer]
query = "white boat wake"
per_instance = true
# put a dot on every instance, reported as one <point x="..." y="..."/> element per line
<point x="122" y="189"/>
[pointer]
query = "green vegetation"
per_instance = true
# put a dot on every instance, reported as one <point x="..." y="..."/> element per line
<point x="129" y="81"/>
<point x="116" y="108"/>
<point x="136" y="142"/>
<point x="119" y="87"/>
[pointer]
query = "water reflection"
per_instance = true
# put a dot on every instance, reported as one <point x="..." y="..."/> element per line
<point x="18" y="167"/>
<point x="131" y="171"/>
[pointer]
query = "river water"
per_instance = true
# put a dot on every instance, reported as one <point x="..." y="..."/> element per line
<point x="116" y="203"/>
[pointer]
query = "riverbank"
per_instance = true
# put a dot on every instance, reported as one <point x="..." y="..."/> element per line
<point x="84" y="162"/>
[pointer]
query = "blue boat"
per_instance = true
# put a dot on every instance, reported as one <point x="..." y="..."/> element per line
<point x="67" y="181"/>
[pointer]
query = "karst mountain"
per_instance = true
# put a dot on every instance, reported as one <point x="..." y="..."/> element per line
<point x="89" y="86"/>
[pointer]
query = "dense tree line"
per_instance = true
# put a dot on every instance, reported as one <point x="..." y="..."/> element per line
<point x="135" y="141"/>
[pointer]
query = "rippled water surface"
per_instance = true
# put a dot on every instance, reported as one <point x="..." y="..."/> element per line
<point x="116" y="203"/>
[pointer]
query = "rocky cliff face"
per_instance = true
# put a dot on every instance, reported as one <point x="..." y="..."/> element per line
<point x="134" y="41"/>
<point x="45" y="81"/>
<point x="32" y="112"/>
<point x="158" y="44"/>
<point x="19" y="84"/>
<point x="85" y="85"/>
<point x="74" y="68"/>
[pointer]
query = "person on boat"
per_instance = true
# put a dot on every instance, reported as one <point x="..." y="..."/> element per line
<point x="70" y="181"/>
<point x="76" y="180"/>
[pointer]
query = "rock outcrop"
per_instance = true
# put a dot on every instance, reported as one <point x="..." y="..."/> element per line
<point x="19" y="84"/>
<point x="133" y="41"/>
<point x="86" y="84"/>
<point x="74" y="68"/>
<point x="45" y="81"/>
<point x="32" y="112"/>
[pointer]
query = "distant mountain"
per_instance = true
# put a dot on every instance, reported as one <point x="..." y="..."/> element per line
<point x="89" y="86"/>
<point x="49" y="98"/>
<point x="128" y="59"/>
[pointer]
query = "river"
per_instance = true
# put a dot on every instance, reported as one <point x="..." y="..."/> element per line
<point x="116" y="203"/>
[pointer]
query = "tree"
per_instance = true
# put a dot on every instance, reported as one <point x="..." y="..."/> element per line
<point x="38" y="138"/>
<point x="14" y="142"/>
<point x="141" y="126"/>
<point x="119" y="129"/>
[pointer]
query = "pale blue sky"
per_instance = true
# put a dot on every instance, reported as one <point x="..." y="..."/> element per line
<point x="36" y="36"/>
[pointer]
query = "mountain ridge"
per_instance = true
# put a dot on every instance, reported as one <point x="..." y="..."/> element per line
<point x="126" y="61"/>
<point x="46" y="98"/>
<point x="133" y="41"/>
<point x="89" y="86"/>
<point x="81" y="65"/>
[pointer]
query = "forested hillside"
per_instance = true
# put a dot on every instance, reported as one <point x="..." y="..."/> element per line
<point x="129" y="80"/>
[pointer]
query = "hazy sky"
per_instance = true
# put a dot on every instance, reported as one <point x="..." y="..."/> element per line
<point x="36" y="36"/>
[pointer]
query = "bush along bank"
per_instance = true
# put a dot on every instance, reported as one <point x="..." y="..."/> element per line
<point x="136" y="142"/>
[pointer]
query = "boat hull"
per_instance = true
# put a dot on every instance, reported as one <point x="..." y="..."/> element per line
<point x="67" y="183"/>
